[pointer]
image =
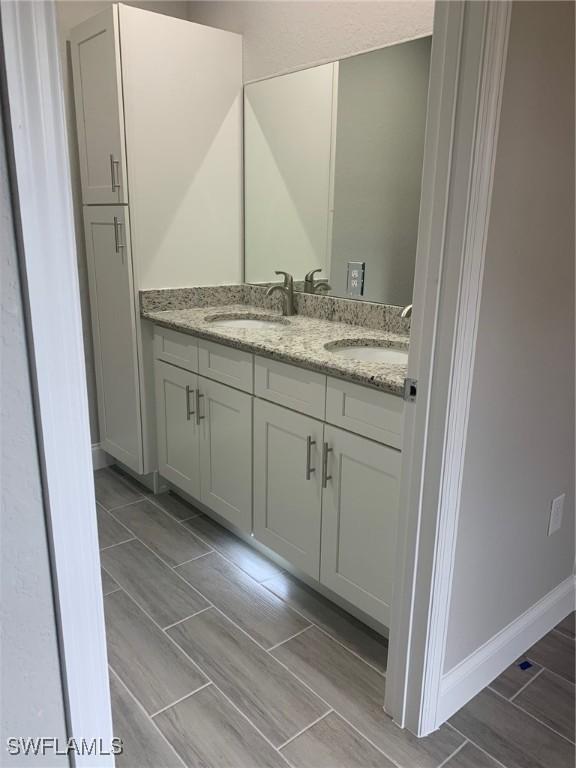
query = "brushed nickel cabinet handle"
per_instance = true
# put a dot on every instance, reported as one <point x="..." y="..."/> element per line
<point x="114" y="173"/>
<point x="309" y="444"/>
<point x="198" y="416"/>
<point x="189" y="412"/>
<point x="325" y="476"/>
<point x="117" y="244"/>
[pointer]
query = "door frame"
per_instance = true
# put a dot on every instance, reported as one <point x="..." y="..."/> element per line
<point x="469" y="51"/>
<point x="467" y="72"/>
<point x="40" y="181"/>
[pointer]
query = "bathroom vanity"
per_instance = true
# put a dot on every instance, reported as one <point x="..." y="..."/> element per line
<point x="269" y="423"/>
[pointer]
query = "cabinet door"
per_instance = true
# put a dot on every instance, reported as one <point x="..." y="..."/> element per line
<point x="226" y="452"/>
<point x="178" y="433"/>
<point x="113" y="311"/>
<point x="95" y="49"/>
<point x="287" y="484"/>
<point x="359" y="520"/>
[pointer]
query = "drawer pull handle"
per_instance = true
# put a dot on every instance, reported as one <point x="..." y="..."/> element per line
<point x="189" y="412"/>
<point x="117" y="244"/>
<point x="325" y="476"/>
<point x="198" y="416"/>
<point x="309" y="444"/>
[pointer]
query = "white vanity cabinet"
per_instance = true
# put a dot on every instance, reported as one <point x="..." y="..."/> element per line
<point x="159" y="122"/>
<point x="359" y="520"/>
<point x="114" y="324"/>
<point x="288" y="484"/>
<point x="225" y="415"/>
<point x="323" y="497"/>
<point x="204" y="429"/>
<point x="178" y="427"/>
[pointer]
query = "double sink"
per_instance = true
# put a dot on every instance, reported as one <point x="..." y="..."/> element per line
<point x="363" y="350"/>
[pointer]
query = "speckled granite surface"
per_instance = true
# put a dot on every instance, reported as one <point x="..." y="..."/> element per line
<point x="383" y="317"/>
<point x="300" y="341"/>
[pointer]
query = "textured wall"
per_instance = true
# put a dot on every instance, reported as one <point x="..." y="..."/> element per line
<point x="69" y="14"/>
<point x="280" y="36"/>
<point x="31" y="702"/>
<point x="520" y="450"/>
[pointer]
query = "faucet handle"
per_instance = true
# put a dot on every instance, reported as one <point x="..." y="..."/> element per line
<point x="287" y="277"/>
<point x="310" y="275"/>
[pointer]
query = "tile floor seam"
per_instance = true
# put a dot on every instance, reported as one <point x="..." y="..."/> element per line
<point x="173" y="569"/>
<point x="525" y="711"/>
<point x="325" y="632"/>
<point x="170" y="626"/>
<point x="474" y="744"/>
<point x="169" y="638"/>
<point x="181" y="699"/>
<point x="173" y="517"/>
<point x="118" y="544"/>
<point x="526" y="684"/>
<point x="296" y="634"/>
<point x="228" y="699"/>
<point x="192" y="559"/>
<point x="223" y="556"/>
<point x="564" y="634"/>
<point x="145" y="713"/>
<point x="339" y="713"/>
<point x="447" y="759"/>
<point x="552" y="672"/>
<point x="303" y="730"/>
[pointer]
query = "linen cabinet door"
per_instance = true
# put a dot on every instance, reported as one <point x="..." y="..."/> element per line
<point x="287" y="484"/>
<point x="113" y="311"/>
<point x="359" y="520"/>
<point x="225" y="415"/>
<point x="178" y="433"/>
<point x="95" y="48"/>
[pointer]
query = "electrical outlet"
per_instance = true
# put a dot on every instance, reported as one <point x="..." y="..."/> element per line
<point x="355" y="278"/>
<point x="556" y="512"/>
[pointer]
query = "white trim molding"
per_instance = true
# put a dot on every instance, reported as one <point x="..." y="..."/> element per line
<point x="47" y="250"/>
<point x="100" y="458"/>
<point x="459" y="161"/>
<point x="482" y="666"/>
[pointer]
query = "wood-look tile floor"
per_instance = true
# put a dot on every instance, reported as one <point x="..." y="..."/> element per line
<point x="219" y="659"/>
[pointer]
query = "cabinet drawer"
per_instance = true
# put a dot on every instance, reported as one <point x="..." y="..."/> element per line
<point x="176" y="348"/>
<point x="226" y="364"/>
<point x="378" y="415"/>
<point x="296" y="388"/>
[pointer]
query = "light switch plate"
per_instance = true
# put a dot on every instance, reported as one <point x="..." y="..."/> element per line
<point x="556" y="512"/>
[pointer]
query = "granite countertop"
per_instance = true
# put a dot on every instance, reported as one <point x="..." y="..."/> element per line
<point x="297" y="339"/>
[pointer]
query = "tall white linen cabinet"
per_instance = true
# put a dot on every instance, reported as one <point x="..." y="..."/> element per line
<point x="159" y="118"/>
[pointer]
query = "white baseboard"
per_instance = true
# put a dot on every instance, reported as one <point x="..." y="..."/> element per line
<point x="100" y="458"/>
<point x="479" y="669"/>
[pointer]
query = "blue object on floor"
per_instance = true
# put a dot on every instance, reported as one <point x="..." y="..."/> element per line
<point x="525" y="665"/>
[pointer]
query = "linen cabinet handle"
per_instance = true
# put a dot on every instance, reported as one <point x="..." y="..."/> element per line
<point x="325" y="476"/>
<point x="114" y="173"/>
<point x="117" y="244"/>
<point x="198" y="416"/>
<point x="309" y="444"/>
<point x="189" y="412"/>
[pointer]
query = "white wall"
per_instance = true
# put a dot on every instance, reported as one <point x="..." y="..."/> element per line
<point x="31" y="698"/>
<point x="280" y="35"/>
<point x="69" y="14"/>
<point x="520" y="449"/>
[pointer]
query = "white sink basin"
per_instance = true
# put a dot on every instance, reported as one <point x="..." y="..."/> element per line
<point x="372" y="354"/>
<point x="255" y="323"/>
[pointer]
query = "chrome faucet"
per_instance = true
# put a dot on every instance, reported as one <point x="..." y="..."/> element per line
<point x="407" y="311"/>
<point x="287" y="291"/>
<point x="315" y="286"/>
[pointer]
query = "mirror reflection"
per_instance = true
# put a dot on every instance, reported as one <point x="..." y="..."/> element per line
<point x="333" y="166"/>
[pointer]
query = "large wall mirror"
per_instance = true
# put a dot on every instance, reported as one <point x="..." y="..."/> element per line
<point x="333" y="167"/>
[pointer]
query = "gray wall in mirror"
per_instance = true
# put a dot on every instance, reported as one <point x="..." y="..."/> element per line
<point x="333" y="165"/>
